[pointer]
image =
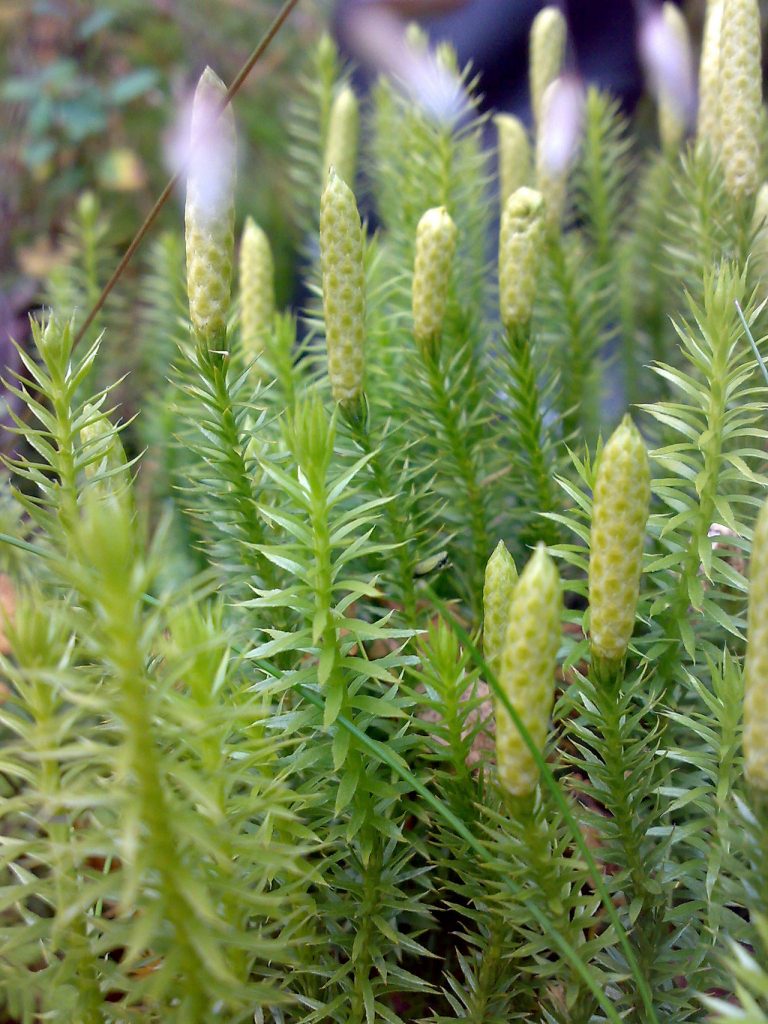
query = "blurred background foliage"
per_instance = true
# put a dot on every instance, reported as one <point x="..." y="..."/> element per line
<point x="88" y="91"/>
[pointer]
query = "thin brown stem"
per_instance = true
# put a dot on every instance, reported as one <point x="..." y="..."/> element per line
<point x="126" y="257"/>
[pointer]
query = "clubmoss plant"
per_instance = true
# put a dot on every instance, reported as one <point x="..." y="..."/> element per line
<point x="307" y="128"/>
<point x="521" y="251"/>
<point x="75" y="283"/>
<point x="500" y="579"/>
<point x="435" y="247"/>
<point x="601" y="178"/>
<point x="343" y="127"/>
<point x="100" y="441"/>
<point x="673" y="116"/>
<point x="750" y="981"/>
<point x="521" y="245"/>
<point x="557" y="143"/>
<point x="708" y="124"/>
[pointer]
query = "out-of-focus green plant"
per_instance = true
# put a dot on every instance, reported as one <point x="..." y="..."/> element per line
<point x="64" y="107"/>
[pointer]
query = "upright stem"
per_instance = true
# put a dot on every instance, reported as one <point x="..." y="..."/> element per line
<point x="578" y="368"/>
<point x="545" y="875"/>
<point x="124" y="632"/>
<point x="65" y="454"/>
<point x="528" y="417"/>
<point x="646" y="307"/>
<point x="707" y="487"/>
<point x="369" y="907"/>
<point x="214" y="366"/>
<point x="330" y="671"/>
<point x="487" y="976"/>
<point x="396" y="524"/>
<point x="640" y="886"/>
<point x="470" y="495"/>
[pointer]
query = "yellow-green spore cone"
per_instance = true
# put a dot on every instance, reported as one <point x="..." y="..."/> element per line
<point x="257" y="289"/>
<point x="756" y="664"/>
<point x="435" y="248"/>
<point x="740" y="97"/>
<point x="549" y="34"/>
<point x="209" y="212"/>
<point x="514" y="151"/>
<point x="620" y="509"/>
<point x="500" y="579"/>
<point x="521" y="243"/>
<point x="527" y="671"/>
<point x="707" y="125"/>
<point x="673" y="120"/>
<point x="341" y="253"/>
<point x="343" y="130"/>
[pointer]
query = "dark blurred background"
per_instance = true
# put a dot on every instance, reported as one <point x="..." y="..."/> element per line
<point x="493" y="34"/>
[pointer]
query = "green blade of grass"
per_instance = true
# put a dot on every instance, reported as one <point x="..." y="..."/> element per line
<point x="24" y="545"/>
<point x="752" y="342"/>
